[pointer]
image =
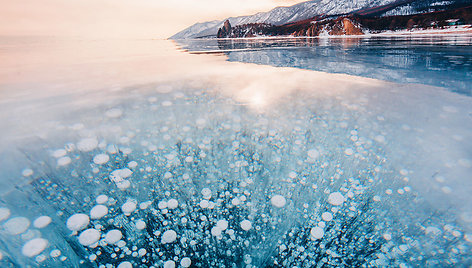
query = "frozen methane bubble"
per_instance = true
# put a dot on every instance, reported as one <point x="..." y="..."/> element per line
<point x="206" y="193"/>
<point x="4" y="213"/>
<point x="168" y="236"/>
<point x="77" y="222"/>
<point x="278" y="201"/>
<point x="317" y="232"/>
<point x="59" y="153"/>
<point x="113" y="236"/>
<point x="186" y="262"/>
<point x="98" y="212"/>
<point x="114" y="113"/>
<point x="336" y="199"/>
<point x="42" y="222"/>
<point x="64" y="161"/>
<point x="327" y="216"/>
<point x="17" y="225"/>
<point x="119" y="174"/>
<point x="27" y="172"/>
<point x="101" y="159"/>
<point x="101" y="199"/>
<point x="87" y="145"/>
<point x="169" y="264"/>
<point x="125" y="264"/>
<point x="172" y="204"/>
<point x="313" y="154"/>
<point x="246" y="225"/>
<point x="140" y="224"/>
<point x="34" y="247"/>
<point x="222" y="224"/>
<point x="89" y="237"/>
<point x="129" y="207"/>
<point x="348" y="151"/>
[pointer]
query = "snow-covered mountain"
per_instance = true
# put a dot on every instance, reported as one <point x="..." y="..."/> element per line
<point x="283" y="15"/>
<point x="310" y="9"/>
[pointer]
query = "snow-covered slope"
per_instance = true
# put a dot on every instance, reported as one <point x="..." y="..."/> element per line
<point x="282" y="15"/>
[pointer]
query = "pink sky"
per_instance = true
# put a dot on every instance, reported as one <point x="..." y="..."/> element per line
<point x="119" y="18"/>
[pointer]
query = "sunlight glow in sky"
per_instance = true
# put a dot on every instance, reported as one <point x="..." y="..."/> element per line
<point x="119" y="18"/>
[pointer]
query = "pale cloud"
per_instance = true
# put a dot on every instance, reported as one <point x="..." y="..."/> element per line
<point x="119" y="18"/>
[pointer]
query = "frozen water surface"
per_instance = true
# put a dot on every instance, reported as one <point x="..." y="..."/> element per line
<point x="233" y="165"/>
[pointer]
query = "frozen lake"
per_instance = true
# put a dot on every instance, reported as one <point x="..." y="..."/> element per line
<point x="135" y="153"/>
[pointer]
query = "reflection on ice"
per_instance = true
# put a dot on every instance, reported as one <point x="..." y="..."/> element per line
<point x="444" y="61"/>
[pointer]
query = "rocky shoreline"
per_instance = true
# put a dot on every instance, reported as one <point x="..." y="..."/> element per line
<point x="353" y="24"/>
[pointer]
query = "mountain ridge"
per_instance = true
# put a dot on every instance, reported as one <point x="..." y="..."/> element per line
<point x="310" y="9"/>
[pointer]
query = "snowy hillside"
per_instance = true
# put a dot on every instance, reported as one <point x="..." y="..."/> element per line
<point x="310" y="9"/>
<point x="282" y="15"/>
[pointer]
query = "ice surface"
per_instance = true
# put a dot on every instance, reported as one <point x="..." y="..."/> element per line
<point x="249" y="171"/>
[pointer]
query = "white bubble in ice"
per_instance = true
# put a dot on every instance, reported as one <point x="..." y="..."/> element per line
<point x="64" y="161"/>
<point x="348" y="151"/>
<point x="379" y="138"/>
<point x="172" y="204"/>
<point x="216" y="231"/>
<point x="132" y="164"/>
<point x="140" y="224"/>
<point x="113" y="236"/>
<point x="125" y="264"/>
<point x="327" y="216"/>
<point x="123" y="185"/>
<point x="387" y="236"/>
<point x="101" y="199"/>
<point x="101" y="159"/>
<point x="77" y="222"/>
<point x="204" y="204"/>
<point x="316" y="232"/>
<point x="59" y="153"/>
<point x="114" y="113"/>
<point x="42" y="222"/>
<point x="246" y="225"/>
<point x="4" y="213"/>
<point x="432" y="230"/>
<point x="186" y="262"/>
<point x="336" y="199"/>
<point x="169" y="264"/>
<point x="55" y="253"/>
<point x="313" y="154"/>
<point x="403" y="172"/>
<point x="27" y="172"/>
<point x="278" y="201"/>
<point x="129" y="207"/>
<point x="236" y="201"/>
<point x="34" y="247"/>
<point x="89" y="237"/>
<point x="98" y="212"/>
<point x="222" y="224"/>
<point x="142" y="252"/>
<point x="206" y="193"/>
<point x="162" y="204"/>
<point x="17" y="225"/>
<point x="145" y="205"/>
<point x="168" y="236"/>
<point x="87" y="145"/>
